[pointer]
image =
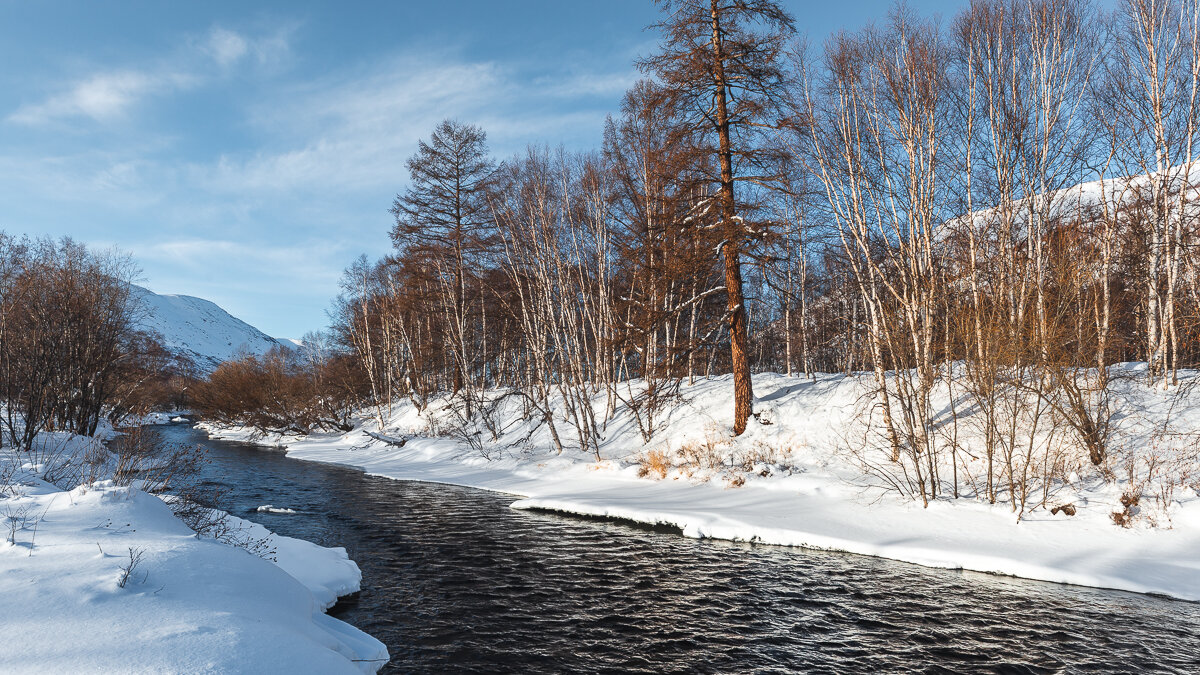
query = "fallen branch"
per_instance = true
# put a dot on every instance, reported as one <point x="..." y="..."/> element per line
<point x="390" y="440"/>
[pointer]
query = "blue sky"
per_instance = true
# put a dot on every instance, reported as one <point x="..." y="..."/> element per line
<point x="247" y="152"/>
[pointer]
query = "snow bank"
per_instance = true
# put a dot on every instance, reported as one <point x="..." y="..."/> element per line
<point x="328" y="573"/>
<point x="794" y="483"/>
<point x="188" y="605"/>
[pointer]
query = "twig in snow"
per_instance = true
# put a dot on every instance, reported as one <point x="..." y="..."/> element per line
<point x="135" y="558"/>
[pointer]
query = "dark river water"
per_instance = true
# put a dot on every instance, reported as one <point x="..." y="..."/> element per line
<point x="455" y="581"/>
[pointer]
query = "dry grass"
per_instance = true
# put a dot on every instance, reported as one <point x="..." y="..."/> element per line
<point x="653" y="463"/>
<point x="706" y="455"/>
<point x="1124" y="517"/>
<point x="760" y="455"/>
<point x="719" y="455"/>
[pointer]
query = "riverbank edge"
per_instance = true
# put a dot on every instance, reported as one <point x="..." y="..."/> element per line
<point x="65" y="571"/>
<point x="1158" y="562"/>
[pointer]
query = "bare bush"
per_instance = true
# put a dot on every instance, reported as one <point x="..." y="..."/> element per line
<point x="16" y="518"/>
<point x="173" y="472"/>
<point x="706" y="455"/>
<point x="280" y="393"/>
<point x="653" y="463"/>
<point x="67" y="325"/>
<point x="128" y="569"/>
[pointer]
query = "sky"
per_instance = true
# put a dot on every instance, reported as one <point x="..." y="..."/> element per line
<point x="247" y="153"/>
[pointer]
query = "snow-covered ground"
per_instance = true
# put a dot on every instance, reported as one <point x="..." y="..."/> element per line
<point x="149" y="419"/>
<point x="793" y="479"/>
<point x="189" y="604"/>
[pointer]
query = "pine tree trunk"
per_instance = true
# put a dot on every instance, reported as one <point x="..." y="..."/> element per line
<point x="743" y="390"/>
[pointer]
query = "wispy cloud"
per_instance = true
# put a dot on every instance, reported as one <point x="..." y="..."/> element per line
<point x="589" y="83"/>
<point x="306" y="263"/>
<point x="353" y="133"/>
<point x="216" y="269"/>
<point x="304" y="186"/>
<point x="338" y="134"/>
<point x="111" y="94"/>
<point x="101" y="97"/>
<point x="225" y="46"/>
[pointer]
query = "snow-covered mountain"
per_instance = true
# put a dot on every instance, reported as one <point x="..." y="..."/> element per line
<point x="199" y="329"/>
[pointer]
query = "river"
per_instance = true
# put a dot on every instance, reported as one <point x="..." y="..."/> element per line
<point x="455" y="581"/>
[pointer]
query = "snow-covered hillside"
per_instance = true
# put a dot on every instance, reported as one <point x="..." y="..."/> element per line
<point x="199" y="329"/>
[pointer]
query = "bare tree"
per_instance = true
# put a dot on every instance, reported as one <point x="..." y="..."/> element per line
<point x="67" y="326"/>
<point x="445" y="216"/>
<point x="721" y="65"/>
<point x="664" y="239"/>
<point x="1150" y="105"/>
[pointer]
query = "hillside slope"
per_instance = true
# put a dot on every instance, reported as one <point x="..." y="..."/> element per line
<point x="200" y="329"/>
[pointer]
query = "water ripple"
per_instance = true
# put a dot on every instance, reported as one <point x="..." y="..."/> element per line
<point x="455" y="581"/>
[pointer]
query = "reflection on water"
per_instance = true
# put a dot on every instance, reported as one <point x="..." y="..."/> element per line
<point x="454" y="581"/>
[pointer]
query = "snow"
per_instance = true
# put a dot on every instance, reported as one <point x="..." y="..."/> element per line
<point x="271" y="508"/>
<point x="793" y="482"/>
<point x="328" y="573"/>
<point x="192" y="604"/>
<point x="199" y="329"/>
<point x="147" y="420"/>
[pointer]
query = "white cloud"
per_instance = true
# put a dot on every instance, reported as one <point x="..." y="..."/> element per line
<point x="274" y="219"/>
<point x="298" y="259"/>
<point x="225" y="46"/>
<point x="102" y="96"/>
<point x="274" y="48"/>
<point x="228" y="47"/>
<point x="108" y="95"/>
<point x="589" y="84"/>
<point x="353" y="132"/>
<point x="311" y="267"/>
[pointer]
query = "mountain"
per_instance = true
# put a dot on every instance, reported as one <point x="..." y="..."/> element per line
<point x="199" y="329"/>
<point x="291" y="343"/>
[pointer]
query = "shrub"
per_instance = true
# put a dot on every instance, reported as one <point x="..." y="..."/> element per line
<point x="654" y="463"/>
<point x="1129" y="502"/>
<point x="174" y="472"/>
<point x="280" y="392"/>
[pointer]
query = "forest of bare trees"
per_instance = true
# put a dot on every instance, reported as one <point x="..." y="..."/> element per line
<point x="999" y="205"/>
<point x="71" y="351"/>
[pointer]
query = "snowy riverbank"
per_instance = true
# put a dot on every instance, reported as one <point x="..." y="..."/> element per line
<point x="188" y="604"/>
<point x="792" y="482"/>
